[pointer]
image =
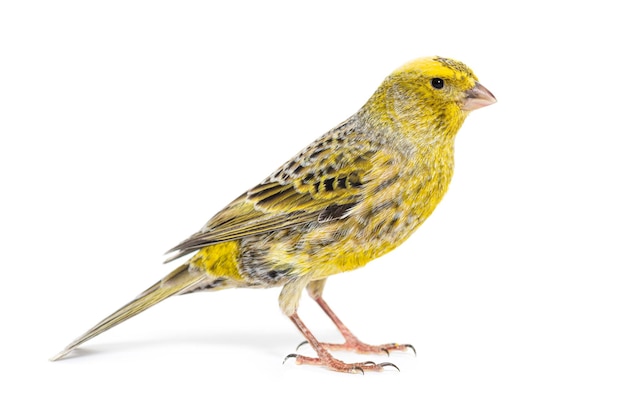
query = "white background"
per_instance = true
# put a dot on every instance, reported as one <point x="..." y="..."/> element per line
<point x="125" y="125"/>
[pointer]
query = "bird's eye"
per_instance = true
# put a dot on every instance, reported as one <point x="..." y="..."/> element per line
<point x="437" y="83"/>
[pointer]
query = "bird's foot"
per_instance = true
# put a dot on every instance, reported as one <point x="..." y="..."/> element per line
<point x="339" y="366"/>
<point x="354" y="345"/>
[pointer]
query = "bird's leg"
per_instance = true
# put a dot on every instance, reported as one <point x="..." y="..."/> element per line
<point x="352" y="343"/>
<point x="289" y="297"/>
<point x="324" y="358"/>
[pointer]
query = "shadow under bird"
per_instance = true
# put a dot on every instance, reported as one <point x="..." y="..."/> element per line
<point x="349" y="197"/>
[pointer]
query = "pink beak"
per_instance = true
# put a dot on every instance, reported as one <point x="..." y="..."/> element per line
<point x="477" y="97"/>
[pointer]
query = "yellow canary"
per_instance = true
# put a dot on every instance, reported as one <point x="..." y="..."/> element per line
<point x="349" y="197"/>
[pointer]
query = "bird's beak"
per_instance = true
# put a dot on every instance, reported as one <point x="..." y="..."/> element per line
<point x="477" y="97"/>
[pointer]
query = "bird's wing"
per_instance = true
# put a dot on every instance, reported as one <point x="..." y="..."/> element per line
<point x="320" y="184"/>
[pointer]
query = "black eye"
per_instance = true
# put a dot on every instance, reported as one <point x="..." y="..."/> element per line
<point x="437" y="83"/>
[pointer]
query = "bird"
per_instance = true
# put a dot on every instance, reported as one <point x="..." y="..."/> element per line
<point x="351" y="196"/>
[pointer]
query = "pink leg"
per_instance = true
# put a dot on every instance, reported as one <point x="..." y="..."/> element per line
<point x="352" y="342"/>
<point x="324" y="357"/>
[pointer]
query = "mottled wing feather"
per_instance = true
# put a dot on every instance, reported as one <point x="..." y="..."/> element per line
<point x="259" y="224"/>
<point x="320" y="184"/>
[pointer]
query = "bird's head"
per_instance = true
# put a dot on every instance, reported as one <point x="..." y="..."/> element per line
<point x="443" y="81"/>
<point x="430" y="93"/>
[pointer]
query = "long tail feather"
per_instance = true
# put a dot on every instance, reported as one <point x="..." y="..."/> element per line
<point x="181" y="280"/>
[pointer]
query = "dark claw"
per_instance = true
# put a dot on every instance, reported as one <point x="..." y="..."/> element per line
<point x="360" y="369"/>
<point x="306" y="342"/>
<point x="385" y="350"/>
<point x="412" y="348"/>
<point x="291" y="355"/>
<point x="389" y="364"/>
<point x="369" y="363"/>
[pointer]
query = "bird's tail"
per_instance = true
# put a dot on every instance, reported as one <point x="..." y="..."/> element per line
<point x="181" y="280"/>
